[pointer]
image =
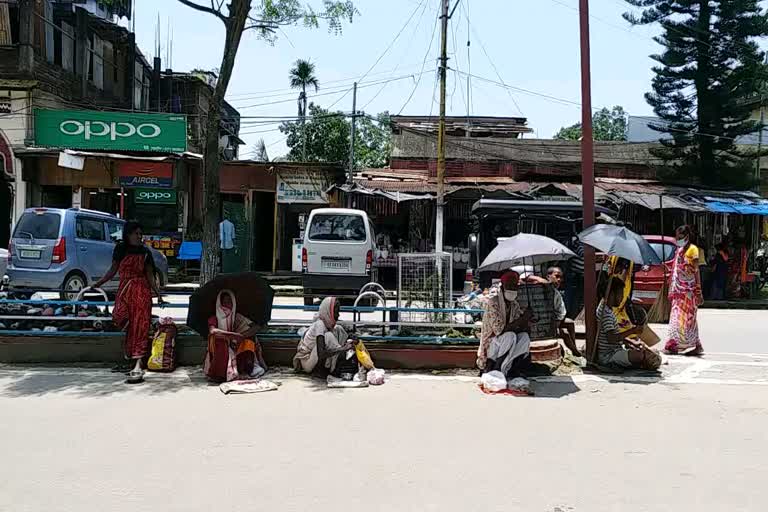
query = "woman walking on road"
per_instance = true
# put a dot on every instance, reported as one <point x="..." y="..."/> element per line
<point x="685" y="297"/>
<point x="133" y="304"/>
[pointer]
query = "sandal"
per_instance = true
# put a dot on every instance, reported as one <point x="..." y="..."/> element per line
<point x="135" y="377"/>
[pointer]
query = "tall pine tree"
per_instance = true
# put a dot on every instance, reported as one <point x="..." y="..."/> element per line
<point x="710" y="66"/>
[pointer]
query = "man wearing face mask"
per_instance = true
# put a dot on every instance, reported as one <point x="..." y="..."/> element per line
<point x="504" y="340"/>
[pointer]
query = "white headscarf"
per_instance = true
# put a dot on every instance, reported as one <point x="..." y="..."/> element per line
<point x="228" y="319"/>
<point x="326" y="312"/>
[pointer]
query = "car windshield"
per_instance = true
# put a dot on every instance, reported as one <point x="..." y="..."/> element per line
<point x="38" y="226"/>
<point x="337" y="228"/>
<point x="669" y="250"/>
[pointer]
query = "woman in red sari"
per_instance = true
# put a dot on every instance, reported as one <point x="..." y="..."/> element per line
<point x="233" y="350"/>
<point x="685" y="296"/>
<point x="133" y="304"/>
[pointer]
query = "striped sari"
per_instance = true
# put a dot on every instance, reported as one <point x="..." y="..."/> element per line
<point x="684" y="294"/>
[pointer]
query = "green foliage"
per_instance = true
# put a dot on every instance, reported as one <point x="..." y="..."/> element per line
<point x="327" y="138"/>
<point x="709" y="66"/>
<point x="301" y="76"/>
<point x="269" y="15"/>
<point x="606" y="125"/>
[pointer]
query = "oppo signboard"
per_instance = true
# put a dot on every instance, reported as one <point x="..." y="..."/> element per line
<point x="154" y="196"/>
<point x="125" y="131"/>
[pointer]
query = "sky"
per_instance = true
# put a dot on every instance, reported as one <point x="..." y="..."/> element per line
<point x="523" y="58"/>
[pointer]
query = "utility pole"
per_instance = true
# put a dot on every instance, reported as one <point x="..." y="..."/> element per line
<point x="587" y="179"/>
<point x="350" y="175"/>
<point x="441" y="128"/>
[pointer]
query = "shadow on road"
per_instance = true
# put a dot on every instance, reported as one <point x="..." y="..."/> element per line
<point x="89" y="382"/>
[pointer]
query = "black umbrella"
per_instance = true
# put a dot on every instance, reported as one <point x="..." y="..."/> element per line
<point x="620" y="241"/>
<point x="252" y="292"/>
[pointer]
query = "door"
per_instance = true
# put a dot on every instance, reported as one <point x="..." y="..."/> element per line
<point x="263" y="230"/>
<point x="94" y="251"/>
<point x="114" y="235"/>
<point x="236" y="259"/>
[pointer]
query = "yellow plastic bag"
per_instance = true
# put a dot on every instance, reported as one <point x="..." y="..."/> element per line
<point x="363" y="356"/>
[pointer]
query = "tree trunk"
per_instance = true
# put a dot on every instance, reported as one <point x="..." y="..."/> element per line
<point x="209" y="264"/>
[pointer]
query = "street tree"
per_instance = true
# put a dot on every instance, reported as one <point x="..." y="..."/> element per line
<point x="260" y="151"/>
<point x="325" y="138"/>
<point x="265" y="18"/>
<point x="302" y="75"/>
<point x="606" y="125"/>
<point x="709" y="66"/>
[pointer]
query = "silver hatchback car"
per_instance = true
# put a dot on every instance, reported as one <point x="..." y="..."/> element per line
<point x="54" y="249"/>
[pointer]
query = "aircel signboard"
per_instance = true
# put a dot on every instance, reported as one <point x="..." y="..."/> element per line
<point x="154" y="196"/>
<point x="134" y="174"/>
<point x="126" y="131"/>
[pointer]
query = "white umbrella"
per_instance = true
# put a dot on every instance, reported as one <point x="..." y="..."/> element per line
<point x="525" y="249"/>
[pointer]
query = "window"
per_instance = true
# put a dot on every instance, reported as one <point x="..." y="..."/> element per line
<point x="115" y="231"/>
<point x="669" y="250"/>
<point x="337" y="228"/>
<point x="89" y="229"/>
<point x="38" y="226"/>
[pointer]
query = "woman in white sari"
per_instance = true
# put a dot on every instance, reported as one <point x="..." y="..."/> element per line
<point x="324" y="348"/>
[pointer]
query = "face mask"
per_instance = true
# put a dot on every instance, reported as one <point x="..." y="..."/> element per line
<point x="682" y="243"/>
<point x="510" y="294"/>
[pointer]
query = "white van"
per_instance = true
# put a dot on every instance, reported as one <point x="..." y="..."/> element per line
<point x="337" y="255"/>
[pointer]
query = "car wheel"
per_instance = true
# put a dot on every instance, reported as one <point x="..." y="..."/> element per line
<point x="72" y="286"/>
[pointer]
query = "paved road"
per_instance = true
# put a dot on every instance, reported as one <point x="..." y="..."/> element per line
<point x="81" y="440"/>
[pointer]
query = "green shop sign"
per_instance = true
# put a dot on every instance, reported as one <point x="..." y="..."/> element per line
<point x="154" y="196"/>
<point x="124" y="131"/>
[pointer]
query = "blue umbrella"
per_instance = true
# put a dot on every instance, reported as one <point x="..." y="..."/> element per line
<point x="620" y="241"/>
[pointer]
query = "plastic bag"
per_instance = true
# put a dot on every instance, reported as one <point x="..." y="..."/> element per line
<point x="376" y="377"/>
<point x="493" y="381"/>
<point x="363" y="357"/>
<point x="162" y="357"/>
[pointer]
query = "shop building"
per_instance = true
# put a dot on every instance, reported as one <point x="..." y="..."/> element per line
<point x="268" y="203"/>
<point x="481" y="165"/>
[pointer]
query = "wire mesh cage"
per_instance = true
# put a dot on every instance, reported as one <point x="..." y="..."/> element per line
<point x="540" y="300"/>
<point x="424" y="280"/>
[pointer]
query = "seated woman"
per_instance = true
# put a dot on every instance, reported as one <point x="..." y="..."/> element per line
<point x="614" y="349"/>
<point x="233" y="351"/>
<point x="631" y="319"/>
<point x="323" y="348"/>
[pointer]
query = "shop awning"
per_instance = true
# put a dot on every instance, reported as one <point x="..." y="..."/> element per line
<point x="657" y="201"/>
<point x="394" y="196"/>
<point x="755" y="208"/>
<point x="531" y="205"/>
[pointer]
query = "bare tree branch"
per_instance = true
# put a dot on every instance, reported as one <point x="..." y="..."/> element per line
<point x="207" y="10"/>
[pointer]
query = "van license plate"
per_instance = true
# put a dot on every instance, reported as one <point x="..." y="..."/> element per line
<point x="336" y="264"/>
<point x="30" y="255"/>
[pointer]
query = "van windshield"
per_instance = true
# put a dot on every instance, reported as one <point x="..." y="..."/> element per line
<point x="337" y="227"/>
<point x="38" y="226"/>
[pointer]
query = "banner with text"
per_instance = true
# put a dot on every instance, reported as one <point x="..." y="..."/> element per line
<point x="301" y="186"/>
<point x="134" y="173"/>
<point x="101" y="129"/>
